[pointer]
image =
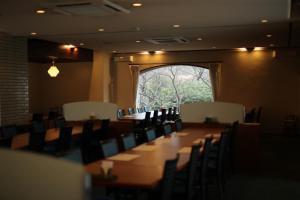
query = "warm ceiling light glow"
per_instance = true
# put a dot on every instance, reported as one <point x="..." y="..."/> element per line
<point x="213" y="47"/>
<point x="101" y="29"/>
<point x="242" y="49"/>
<point x="137" y="41"/>
<point x="40" y="11"/>
<point x="114" y="51"/>
<point x="258" y="48"/>
<point x="264" y="21"/>
<point x="68" y="46"/>
<point x="176" y="25"/>
<point x="271" y="45"/>
<point x="199" y="39"/>
<point x="159" y="52"/>
<point x="81" y="44"/>
<point x="137" y="4"/>
<point x="269" y="35"/>
<point x="53" y="70"/>
<point x="33" y="33"/>
<point x="145" y="53"/>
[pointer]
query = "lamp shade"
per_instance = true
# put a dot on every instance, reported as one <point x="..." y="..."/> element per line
<point x="53" y="71"/>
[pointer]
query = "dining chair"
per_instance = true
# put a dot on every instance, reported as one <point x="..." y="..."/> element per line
<point x="103" y="132"/>
<point x="167" y="129"/>
<point x="37" y="141"/>
<point x="38" y="126"/>
<point x="165" y="189"/>
<point x="59" y="122"/>
<point x="109" y="147"/>
<point x="185" y="182"/>
<point x="258" y="114"/>
<point x="38" y="117"/>
<point x="169" y="114"/>
<point x="150" y="135"/>
<point x="130" y="111"/>
<point x="178" y="124"/>
<point x="174" y="114"/>
<point x="65" y="139"/>
<point x="9" y="131"/>
<point x="154" y="120"/>
<point x="147" y="120"/>
<point x="128" y="141"/>
<point x="120" y="113"/>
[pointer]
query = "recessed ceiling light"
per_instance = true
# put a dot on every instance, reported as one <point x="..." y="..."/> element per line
<point x="199" y="39"/>
<point x="137" y="4"/>
<point x="101" y="29"/>
<point x="145" y="53"/>
<point x="33" y="33"/>
<point x="159" y="52"/>
<point x="269" y="35"/>
<point x="258" y="48"/>
<point x="176" y="25"/>
<point x="271" y="45"/>
<point x="137" y="41"/>
<point x="81" y="44"/>
<point x="114" y="51"/>
<point x="40" y="11"/>
<point x="242" y="49"/>
<point x="213" y="47"/>
<point x="264" y="21"/>
<point x="68" y="46"/>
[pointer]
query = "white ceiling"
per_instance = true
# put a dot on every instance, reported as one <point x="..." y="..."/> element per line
<point x="223" y="24"/>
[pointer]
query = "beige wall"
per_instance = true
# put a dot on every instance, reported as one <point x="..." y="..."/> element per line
<point x="252" y="79"/>
<point x="72" y="84"/>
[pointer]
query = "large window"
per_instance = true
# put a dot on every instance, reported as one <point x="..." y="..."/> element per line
<point x="173" y="85"/>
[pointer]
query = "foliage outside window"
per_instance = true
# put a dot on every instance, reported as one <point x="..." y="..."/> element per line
<point x="171" y="86"/>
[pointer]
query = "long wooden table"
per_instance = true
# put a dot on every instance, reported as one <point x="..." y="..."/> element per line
<point x="137" y="116"/>
<point x="146" y="170"/>
<point x="22" y="140"/>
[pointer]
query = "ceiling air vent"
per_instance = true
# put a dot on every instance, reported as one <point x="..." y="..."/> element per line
<point x="87" y="8"/>
<point x="168" y="40"/>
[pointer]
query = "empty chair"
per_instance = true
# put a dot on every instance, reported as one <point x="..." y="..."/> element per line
<point x="163" y="116"/>
<point x="120" y="113"/>
<point x="65" y="139"/>
<point x="185" y="185"/>
<point x="52" y="115"/>
<point x="103" y="132"/>
<point x="8" y="132"/>
<point x="130" y="111"/>
<point x="167" y="129"/>
<point x="174" y="114"/>
<point x="109" y="147"/>
<point x="38" y="126"/>
<point x="150" y="135"/>
<point x="38" y="117"/>
<point x="128" y="141"/>
<point x="164" y="190"/>
<point x="59" y="122"/>
<point x="169" y="114"/>
<point x="154" y="120"/>
<point x="178" y="124"/>
<point x="250" y="116"/>
<point x="87" y="132"/>
<point x="37" y="141"/>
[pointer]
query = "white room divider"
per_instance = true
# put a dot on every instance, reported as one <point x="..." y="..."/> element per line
<point x="221" y="111"/>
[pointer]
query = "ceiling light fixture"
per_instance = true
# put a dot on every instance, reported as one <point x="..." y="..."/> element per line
<point x="137" y="4"/>
<point x="264" y="21"/>
<point x="68" y="46"/>
<point x="199" y="39"/>
<point x="145" y="53"/>
<point x="40" y="11"/>
<point x="33" y="33"/>
<point x="53" y="70"/>
<point x="137" y="41"/>
<point x="101" y="29"/>
<point x="81" y="44"/>
<point x="271" y="45"/>
<point x="214" y="47"/>
<point x="159" y="52"/>
<point x="269" y="35"/>
<point x="242" y="49"/>
<point x="176" y="25"/>
<point x="114" y="51"/>
<point x="258" y="48"/>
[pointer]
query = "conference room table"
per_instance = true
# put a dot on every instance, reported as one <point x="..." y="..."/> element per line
<point x="22" y="140"/>
<point x="137" y="116"/>
<point x="142" y="166"/>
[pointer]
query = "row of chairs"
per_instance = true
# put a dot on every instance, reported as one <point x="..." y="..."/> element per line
<point x="204" y="169"/>
<point x="130" y="111"/>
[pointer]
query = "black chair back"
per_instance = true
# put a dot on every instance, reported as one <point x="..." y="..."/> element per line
<point x="167" y="128"/>
<point x="192" y="171"/>
<point x="65" y="139"/>
<point x="163" y="116"/>
<point x="105" y="126"/>
<point x="6" y="142"/>
<point x="150" y="135"/>
<point x="59" y="122"/>
<point x="178" y="124"/>
<point x="109" y="147"/>
<point x="155" y="118"/>
<point x="52" y="115"/>
<point x="147" y="120"/>
<point x="258" y="114"/>
<point x="87" y="132"/>
<point x="128" y="141"/>
<point x="38" y="126"/>
<point x="130" y="111"/>
<point x="37" y="141"/>
<point x="38" y="117"/>
<point x="169" y="115"/>
<point x="174" y="115"/>
<point x="168" y="178"/>
<point x="120" y="113"/>
<point x="9" y="131"/>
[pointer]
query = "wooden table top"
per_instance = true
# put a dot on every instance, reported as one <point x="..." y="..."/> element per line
<point x="146" y="170"/>
<point x="22" y="140"/>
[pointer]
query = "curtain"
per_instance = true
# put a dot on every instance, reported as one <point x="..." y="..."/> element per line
<point x="134" y="72"/>
<point x="215" y="77"/>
